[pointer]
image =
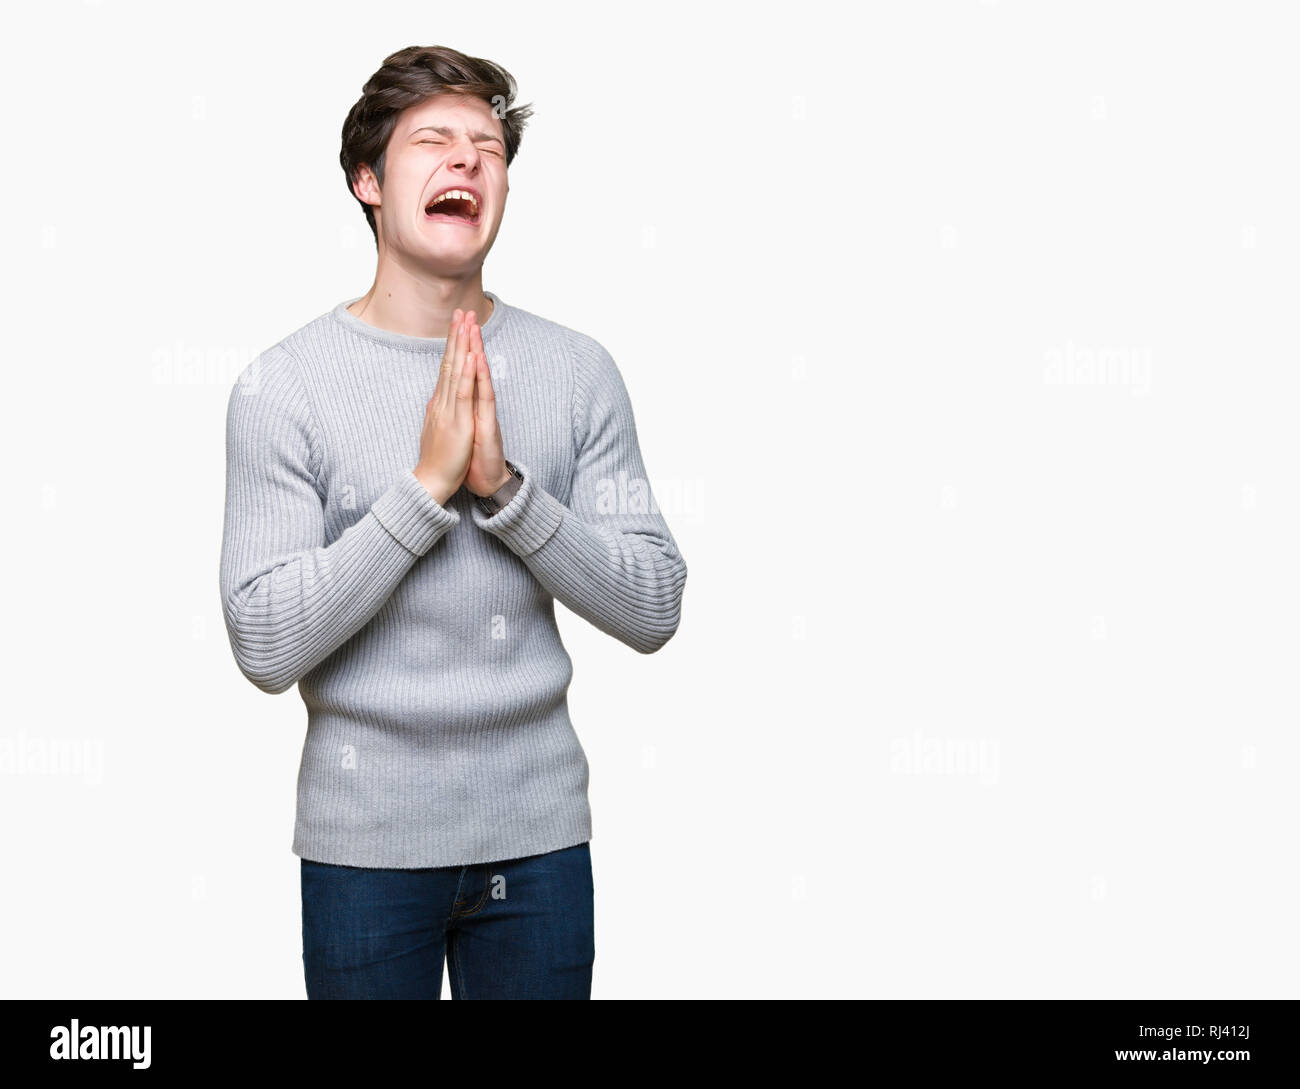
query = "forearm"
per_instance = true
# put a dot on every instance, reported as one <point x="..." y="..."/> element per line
<point x="629" y="585"/>
<point x="287" y="614"/>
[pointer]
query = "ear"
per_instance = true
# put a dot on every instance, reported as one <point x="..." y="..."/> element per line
<point x="365" y="186"/>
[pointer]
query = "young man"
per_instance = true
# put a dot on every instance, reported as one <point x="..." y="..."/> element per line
<point x="399" y="520"/>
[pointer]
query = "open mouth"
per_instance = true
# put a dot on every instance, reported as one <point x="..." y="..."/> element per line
<point x="454" y="206"/>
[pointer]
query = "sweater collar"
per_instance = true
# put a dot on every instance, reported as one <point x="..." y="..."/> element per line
<point x="392" y="339"/>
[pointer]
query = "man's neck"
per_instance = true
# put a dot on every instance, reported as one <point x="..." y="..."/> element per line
<point x="420" y="309"/>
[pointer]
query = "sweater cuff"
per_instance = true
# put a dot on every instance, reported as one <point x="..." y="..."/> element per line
<point x="528" y="520"/>
<point x="412" y="515"/>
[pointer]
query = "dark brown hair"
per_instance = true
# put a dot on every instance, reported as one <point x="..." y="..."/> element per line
<point x="407" y="78"/>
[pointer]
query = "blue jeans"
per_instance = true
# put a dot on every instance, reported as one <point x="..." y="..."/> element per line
<point x="522" y="928"/>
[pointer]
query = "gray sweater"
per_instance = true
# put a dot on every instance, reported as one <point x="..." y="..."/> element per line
<point x="422" y="638"/>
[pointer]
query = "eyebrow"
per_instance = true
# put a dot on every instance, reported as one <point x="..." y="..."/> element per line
<point x="443" y="130"/>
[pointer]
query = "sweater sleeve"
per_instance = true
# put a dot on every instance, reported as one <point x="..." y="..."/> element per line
<point x="608" y="555"/>
<point x="288" y="599"/>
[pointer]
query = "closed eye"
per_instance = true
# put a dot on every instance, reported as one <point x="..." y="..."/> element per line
<point x="490" y="150"/>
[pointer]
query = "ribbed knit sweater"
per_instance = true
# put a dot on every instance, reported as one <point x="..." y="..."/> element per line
<point x="422" y="637"/>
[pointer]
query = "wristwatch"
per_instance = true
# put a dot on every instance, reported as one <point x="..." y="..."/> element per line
<point x="490" y="504"/>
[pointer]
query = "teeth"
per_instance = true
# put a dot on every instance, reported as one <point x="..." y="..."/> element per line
<point x="462" y="194"/>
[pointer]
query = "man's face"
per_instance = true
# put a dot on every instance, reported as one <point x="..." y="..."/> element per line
<point x="448" y="142"/>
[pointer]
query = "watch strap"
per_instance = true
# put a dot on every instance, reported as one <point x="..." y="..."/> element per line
<point x="490" y="504"/>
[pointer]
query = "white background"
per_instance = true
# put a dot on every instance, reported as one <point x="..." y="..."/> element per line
<point x="962" y="343"/>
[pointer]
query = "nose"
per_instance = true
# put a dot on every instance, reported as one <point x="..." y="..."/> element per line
<point x="464" y="155"/>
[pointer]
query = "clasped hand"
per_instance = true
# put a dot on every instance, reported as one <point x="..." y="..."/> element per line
<point x="461" y="440"/>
